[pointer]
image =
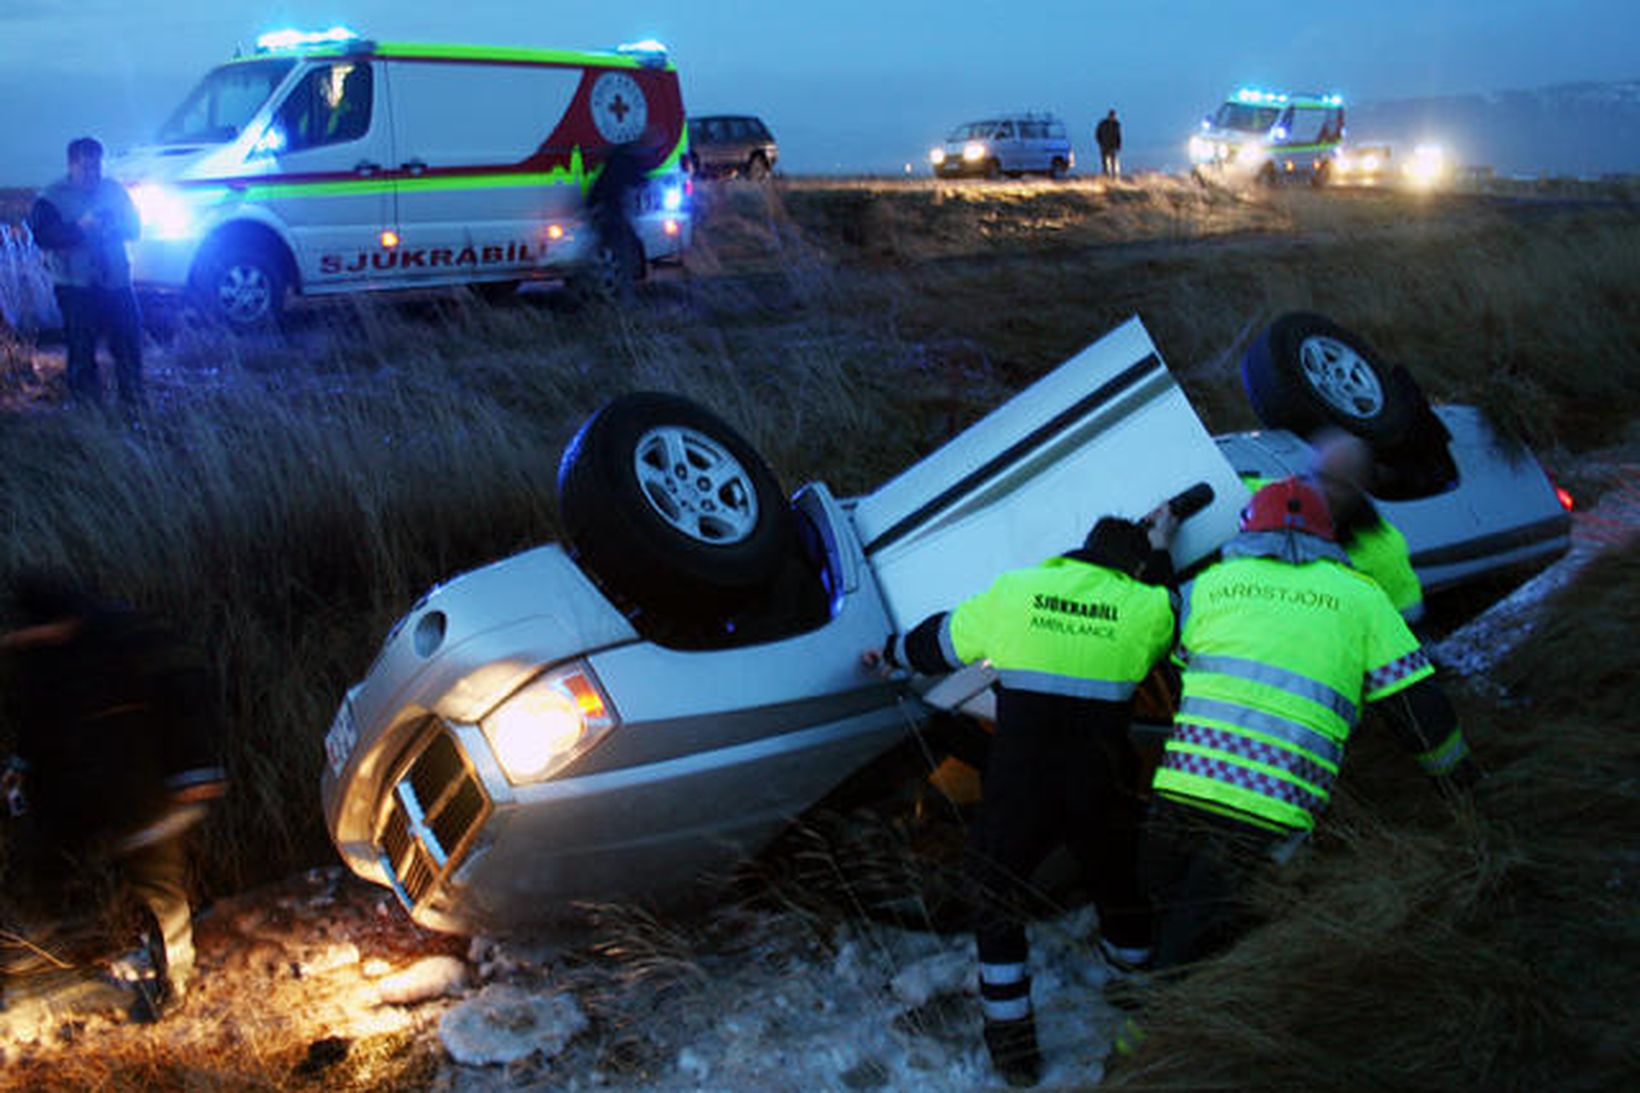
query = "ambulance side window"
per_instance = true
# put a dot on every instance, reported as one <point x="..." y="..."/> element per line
<point x="330" y="106"/>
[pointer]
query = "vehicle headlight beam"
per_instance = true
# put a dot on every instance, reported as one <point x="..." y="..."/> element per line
<point x="548" y="723"/>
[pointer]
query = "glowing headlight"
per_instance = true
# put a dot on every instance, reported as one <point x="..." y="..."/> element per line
<point x="672" y="198"/>
<point x="974" y="151"/>
<point x="165" y="213"/>
<point x="1201" y="149"/>
<point x="548" y="723"/>
<point x="937" y="156"/>
<point x="1427" y="165"/>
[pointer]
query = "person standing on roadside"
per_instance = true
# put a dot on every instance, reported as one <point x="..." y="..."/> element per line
<point x="1108" y="135"/>
<point x="82" y="223"/>
<point x="1071" y="639"/>
<point x="117" y="719"/>
<point x="1283" y="644"/>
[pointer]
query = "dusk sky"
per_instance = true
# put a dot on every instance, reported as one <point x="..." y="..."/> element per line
<point x="847" y="85"/>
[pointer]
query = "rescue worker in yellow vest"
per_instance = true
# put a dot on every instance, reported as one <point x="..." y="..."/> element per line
<point x="1342" y="469"/>
<point x="1281" y="643"/>
<point x="1070" y="640"/>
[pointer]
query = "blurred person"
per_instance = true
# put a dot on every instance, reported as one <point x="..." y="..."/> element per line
<point x="1108" y="135"/>
<point x="1071" y="639"/>
<point x="82" y="223"/>
<point x="1342" y="467"/>
<point x="116" y="719"/>
<point x="1282" y="644"/>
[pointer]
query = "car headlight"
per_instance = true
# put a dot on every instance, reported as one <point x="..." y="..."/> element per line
<point x="973" y="151"/>
<point x="548" y="723"/>
<point x="937" y="156"/>
<point x="165" y="213"/>
<point x="1201" y="149"/>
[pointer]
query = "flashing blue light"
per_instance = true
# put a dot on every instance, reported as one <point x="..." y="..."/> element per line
<point x="1279" y="132"/>
<point x="672" y="198"/>
<point x="291" y="38"/>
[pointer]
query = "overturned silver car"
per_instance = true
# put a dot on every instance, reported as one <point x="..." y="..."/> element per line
<point x="637" y="711"/>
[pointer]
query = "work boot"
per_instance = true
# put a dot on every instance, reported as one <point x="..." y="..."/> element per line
<point x="1130" y="968"/>
<point x="1014" y="1054"/>
<point x="155" y="999"/>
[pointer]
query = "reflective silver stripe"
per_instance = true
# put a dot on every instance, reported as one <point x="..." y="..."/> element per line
<point x="1186" y="593"/>
<point x="1110" y="690"/>
<point x="1012" y="1009"/>
<point x="948" y="648"/>
<point x="1271" y="676"/>
<point x="999" y="975"/>
<point x="1269" y="724"/>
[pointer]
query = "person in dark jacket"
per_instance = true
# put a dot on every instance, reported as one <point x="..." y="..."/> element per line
<point x="1071" y="640"/>
<point x="116" y="723"/>
<point x="1108" y="135"/>
<point x="82" y="223"/>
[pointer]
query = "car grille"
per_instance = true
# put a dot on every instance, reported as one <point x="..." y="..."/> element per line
<point x="429" y="817"/>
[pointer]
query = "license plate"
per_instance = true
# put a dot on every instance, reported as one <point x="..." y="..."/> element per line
<point x="341" y="739"/>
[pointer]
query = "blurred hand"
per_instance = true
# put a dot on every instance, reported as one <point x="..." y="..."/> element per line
<point x="1161" y="525"/>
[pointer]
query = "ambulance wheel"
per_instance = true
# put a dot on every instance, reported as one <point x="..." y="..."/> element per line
<point x="242" y="285"/>
<point x="670" y="508"/>
<point x="614" y="267"/>
<point x="1305" y="372"/>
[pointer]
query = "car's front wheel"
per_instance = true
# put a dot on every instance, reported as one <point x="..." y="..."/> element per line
<point x="241" y="285"/>
<point x="670" y="508"/>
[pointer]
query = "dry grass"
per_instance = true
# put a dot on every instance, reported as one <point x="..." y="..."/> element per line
<point x="286" y="501"/>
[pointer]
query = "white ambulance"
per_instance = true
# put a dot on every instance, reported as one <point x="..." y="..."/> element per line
<point x="325" y="162"/>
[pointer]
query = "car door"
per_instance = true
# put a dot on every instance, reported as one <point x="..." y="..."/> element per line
<point x="1005" y="146"/>
<point x="475" y="181"/>
<point x="329" y="141"/>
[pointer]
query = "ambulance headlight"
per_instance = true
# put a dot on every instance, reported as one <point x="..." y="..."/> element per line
<point x="974" y="151"/>
<point x="166" y="213"/>
<point x="936" y="156"/>
<point x="672" y="198"/>
<point x="548" y="723"/>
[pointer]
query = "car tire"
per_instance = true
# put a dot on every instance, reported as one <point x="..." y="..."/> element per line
<point x="757" y="168"/>
<point x="242" y="286"/>
<point x="670" y="508"/>
<point x="993" y="169"/>
<point x="1305" y="372"/>
<point x="1058" y="169"/>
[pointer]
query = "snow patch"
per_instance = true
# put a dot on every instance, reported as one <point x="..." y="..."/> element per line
<point x="503" y="1023"/>
<point x="428" y="978"/>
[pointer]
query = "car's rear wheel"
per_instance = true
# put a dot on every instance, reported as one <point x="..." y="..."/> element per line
<point x="1059" y="169"/>
<point x="757" y="168"/>
<point x="670" y="508"/>
<point x="1305" y="371"/>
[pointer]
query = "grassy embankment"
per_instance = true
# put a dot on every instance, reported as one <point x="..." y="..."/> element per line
<point x="285" y="502"/>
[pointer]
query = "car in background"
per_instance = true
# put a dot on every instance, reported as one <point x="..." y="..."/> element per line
<point x="1269" y="137"/>
<point x="635" y="712"/>
<point x="1364" y="165"/>
<point x="731" y="146"/>
<point x="1011" y="144"/>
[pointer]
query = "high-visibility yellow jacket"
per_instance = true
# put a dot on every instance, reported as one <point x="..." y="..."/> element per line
<point x="1280" y="653"/>
<point x="1066" y="627"/>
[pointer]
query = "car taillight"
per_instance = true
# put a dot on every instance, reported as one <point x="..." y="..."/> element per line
<point x="1564" y="496"/>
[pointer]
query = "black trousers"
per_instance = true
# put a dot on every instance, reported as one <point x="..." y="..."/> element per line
<point x="1195" y="866"/>
<point x="1074" y="788"/>
<point x="89" y="315"/>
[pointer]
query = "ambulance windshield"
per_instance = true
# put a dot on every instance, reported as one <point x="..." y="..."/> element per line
<point x="1244" y="118"/>
<point x="224" y="101"/>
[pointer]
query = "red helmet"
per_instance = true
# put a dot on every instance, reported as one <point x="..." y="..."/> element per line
<point x="1290" y="504"/>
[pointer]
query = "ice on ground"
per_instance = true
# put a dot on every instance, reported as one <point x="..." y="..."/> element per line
<point x="504" y="1023"/>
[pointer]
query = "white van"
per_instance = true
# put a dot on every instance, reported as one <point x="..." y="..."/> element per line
<point x="1010" y="144"/>
<point x="1270" y="136"/>
<point x="325" y="162"/>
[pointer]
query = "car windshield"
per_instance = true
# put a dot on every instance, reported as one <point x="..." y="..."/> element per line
<point x="974" y="130"/>
<point x="224" y="101"/>
<point x="1244" y="118"/>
